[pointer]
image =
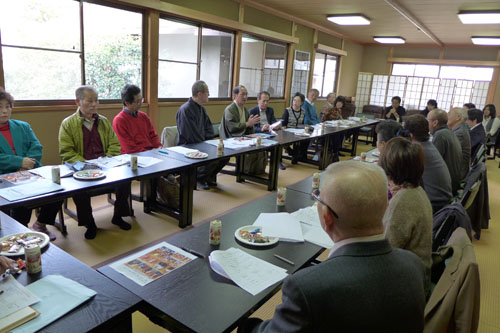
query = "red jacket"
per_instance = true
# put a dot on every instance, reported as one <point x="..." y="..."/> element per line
<point x="135" y="134"/>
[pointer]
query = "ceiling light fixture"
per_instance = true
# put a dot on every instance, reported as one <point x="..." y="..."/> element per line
<point x="349" y="19"/>
<point x="485" y="40"/>
<point x="479" y="17"/>
<point x="389" y="40"/>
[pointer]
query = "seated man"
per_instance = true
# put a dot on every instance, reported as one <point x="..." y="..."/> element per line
<point x="477" y="133"/>
<point x="264" y="112"/>
<point x="311" y="115"/>
<point x="132" y="126"/>
<point x="194" y="126"/>
<point x="395" y="111"/>
<point x="447" y="144"/>
<point x="236" y="121"/>
<point x="456" y="121"/>
<point x="365" y="285"/>
<point x="386" y="130"/>
<point x="87" y="135"/>
<point x="436" y="179"/>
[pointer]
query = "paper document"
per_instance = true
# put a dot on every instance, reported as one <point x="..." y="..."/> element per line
<point x="248" y="272"/>
<point x="294" y="130"/>
<point x="108" y="162"/>
<point x="282" y="225"/>
<point x="41" y="186"/>
<point x="15" y="296"/>
<point x="311" y="227"/>
<point x="20" y="177"/>
<point x="182" y="150"/>
<point x="146" y="161"/>
<point x="274" y="125"/>
<point x="58" y="296"/>
<point x="150" y="264"/>
<point x="46" y="171"/>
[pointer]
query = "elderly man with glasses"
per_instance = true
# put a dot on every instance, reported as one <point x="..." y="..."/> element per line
<point x="365" y="284"/>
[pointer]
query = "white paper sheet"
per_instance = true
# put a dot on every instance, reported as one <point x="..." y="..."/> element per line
<point x="146" y="161"/>
<point x="15" y="296"/>
<point x="181" y="150"/>
<point x="143" y="268"/>
<point x="108" y="162"/>
<point x="46" y="171"/>
<point x="248" y="272"/>
<point x="282" y="225"/>
<point x="32" y="189"/>
<point x="311" y="227"/>
<point x="58" y="296"/>
<point x="294" y="130"/>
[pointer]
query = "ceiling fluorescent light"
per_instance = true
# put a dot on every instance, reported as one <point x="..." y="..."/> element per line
<point x="389" y="40"/>
<point x="485" y="40"/>
<point x="349" y="19"/>
<point x="479" y="17"/>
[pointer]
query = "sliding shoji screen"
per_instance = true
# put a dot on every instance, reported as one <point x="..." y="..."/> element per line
<point x="463" y="92"/>
<point x="396" y="87"/>
<point x="479" y="93"/>
<point x="413" y="92"/>
<point x="363" y="90"/>
<point x="429" y="91"/>
<point x="379" y="89"/>
<point x="445" y="93"/>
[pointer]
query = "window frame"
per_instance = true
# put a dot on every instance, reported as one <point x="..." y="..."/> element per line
<point x="48" y="102"/>
<point x="200" y="27"/>
<point x="337" y="65"/>
<point x="285" y="61"/>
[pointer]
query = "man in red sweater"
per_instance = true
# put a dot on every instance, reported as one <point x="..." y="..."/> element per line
<point x="133" y="127"/>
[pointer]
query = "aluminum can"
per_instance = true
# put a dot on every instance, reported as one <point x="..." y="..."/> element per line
<point x="133" y="162"/>
<point x="281" y="197"/>
<point x="220" y="148"/>
<point x="363" y="157"/>
<point x="33" y="257"/>
<point x="215" y="232"/>
<point x="316" y="180"/>
<point x="56" y="175"/>
<point x="259" y="141"/>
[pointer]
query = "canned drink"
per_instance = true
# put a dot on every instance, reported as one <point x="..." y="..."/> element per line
<point x="33" y="257"/>
<point x="307" y="128"/>
<point x="316" y="180"/>
<point x="259" y="141"/>
<point x="220" y="147"/>
<point x="215" y="232"/>
<point x="56" y="175"/>
<point x="281" y="197"/>
<point x="133" y="162"/>
<point x="363" y="157"/>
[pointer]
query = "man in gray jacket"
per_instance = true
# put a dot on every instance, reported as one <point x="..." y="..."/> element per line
<point x="447" y="144"/>
<point x="456" y="121"/>
<point x="365" y="285"/>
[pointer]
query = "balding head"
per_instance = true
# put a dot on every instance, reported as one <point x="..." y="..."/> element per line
<point x="456" y="116"/>
<point x="357" y="192"/>
<point x="437" y="118"/>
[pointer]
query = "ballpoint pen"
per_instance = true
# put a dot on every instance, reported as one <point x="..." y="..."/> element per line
<point x="198" y="254"/>
<point x="285" y="260"/>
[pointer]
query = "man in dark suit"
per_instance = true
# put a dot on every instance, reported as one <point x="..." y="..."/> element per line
<point x="477" y="133"/>
<point x="365" y="285"/>
<point x="264" y="111"/>
<point x="395" y="111"/>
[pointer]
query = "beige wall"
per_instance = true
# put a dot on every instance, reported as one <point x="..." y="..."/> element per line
<point x="351" y="65"/>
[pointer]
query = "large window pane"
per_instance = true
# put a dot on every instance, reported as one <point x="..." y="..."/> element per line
<point x="216" y="61"/>
<point x="41" y="75"/>
<point x="113" y="49"/>
<point x="251" y="64"/>
<point x="318" y="73"/>
<point x="176" y="80"/>
<point x="300" y="76"/>
<point x="330" y="75"/>
<point x="41" y="23"/>
<point x="427" y="70"/>
<point x="178" y="41"/>
<point x="274" y="69"/>
<point x="403" y="69"/>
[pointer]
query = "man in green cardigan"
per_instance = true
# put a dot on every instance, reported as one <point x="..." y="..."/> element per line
<point x="87" y="135"/>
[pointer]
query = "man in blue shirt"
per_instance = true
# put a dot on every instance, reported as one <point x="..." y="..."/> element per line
<point x="311" y="116"/>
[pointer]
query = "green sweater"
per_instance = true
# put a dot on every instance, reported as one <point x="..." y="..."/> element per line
<point x="71" y="138"/>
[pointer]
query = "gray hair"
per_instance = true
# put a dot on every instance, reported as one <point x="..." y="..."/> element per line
<point x="80" y="92"/>
<point x="329" y="95"/>
<point x="199" y="87"/>
<point x="462" y="112"/>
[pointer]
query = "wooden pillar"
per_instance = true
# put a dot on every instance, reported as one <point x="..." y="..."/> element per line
<point x="312" y="60"/>
<point x="237" y="58"/>
<point x="2" y="78"/>
<point x="494" y="81"/>
<point x="151" y="79"/>
<point x="289" y="67"/>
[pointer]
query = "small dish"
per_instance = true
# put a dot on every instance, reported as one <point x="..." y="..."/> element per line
<point x="252" y="235"/>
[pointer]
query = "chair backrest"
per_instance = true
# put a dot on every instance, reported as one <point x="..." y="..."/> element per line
<point x="470" y="194"/>
<point x="366" y="115"/>
<point x="348" y="110"/>
<point x="169" y="136"/>
<point x="480" y="155"/>
<point x="441" y="235"/>
<point x="377" y="111"/>
<point x="216" y="129"/>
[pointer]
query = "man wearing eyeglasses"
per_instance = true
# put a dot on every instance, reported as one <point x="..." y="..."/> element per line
<point x="365" y="285"/>
<point x="132" y="126"/>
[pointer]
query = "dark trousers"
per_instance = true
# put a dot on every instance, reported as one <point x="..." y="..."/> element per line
<point x="47" y="213"/>
<point x="210" y="171"/>
<point x="84" y="207"/>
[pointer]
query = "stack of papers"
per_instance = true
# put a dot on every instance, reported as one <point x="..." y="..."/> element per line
<point x="294" y="130"/>
<point x="282" y="225"/>
<point x="182" y="150"/>
<point x="15" y="304"/>
<point x="46" y="171"/>
<point x="248" y="272"/>
<point x="311" y="227"/>
<point x="108" y="162"/>
<point x="41" y="186"/>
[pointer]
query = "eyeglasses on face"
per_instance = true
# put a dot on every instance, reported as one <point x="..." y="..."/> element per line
<point x="316" y="197"/>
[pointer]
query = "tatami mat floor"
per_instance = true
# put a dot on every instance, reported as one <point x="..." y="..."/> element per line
<point x="146" y="228"/>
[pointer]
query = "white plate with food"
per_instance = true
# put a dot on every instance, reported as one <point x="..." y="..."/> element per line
<point x="13" y="245"/>
<point x="252" y="235"/>
<point x="92" y="174"/>
<point x="196" y="154"/>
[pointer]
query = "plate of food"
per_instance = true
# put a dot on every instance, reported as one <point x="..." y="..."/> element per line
<point x="196" y="154"/>
<point x="13" y="245"/>
<point x="252" y="235"/>
<point x="92" y="174"/>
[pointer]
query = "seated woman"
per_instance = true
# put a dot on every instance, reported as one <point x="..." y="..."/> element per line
<point x="490" y="123"/>
<point x="333" y="111"/>
<point x="431" y="105"/>
<point x="408" y="218"/>
<point x="294" y="117"/>
<point x="20" y="150"/>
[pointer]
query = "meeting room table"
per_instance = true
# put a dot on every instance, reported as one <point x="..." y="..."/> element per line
<point x="110" y="310"/>
<point x="194" y="297"/>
